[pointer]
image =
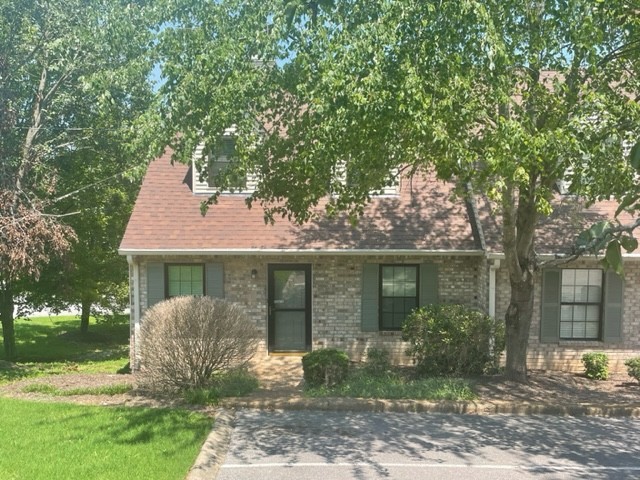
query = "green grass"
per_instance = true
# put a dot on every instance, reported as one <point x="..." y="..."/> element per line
<point x="391" y="385"/>
<point x="236" y="383"/>
<point x="49" y="389"/>
<point x="54" y="345"/>
<point x="64" y="441"/>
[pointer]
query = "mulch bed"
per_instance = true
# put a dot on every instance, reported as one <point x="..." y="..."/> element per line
<point x="560" y="388"/>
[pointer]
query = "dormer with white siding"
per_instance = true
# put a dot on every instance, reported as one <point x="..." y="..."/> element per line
<point x="206" y="165"/>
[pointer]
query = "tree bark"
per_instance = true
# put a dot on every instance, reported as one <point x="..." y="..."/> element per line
<point x="520" y="218"/>
<point x="85" y="312"/>
<point x="518" y="323"/>
<point x="6" y="318"/>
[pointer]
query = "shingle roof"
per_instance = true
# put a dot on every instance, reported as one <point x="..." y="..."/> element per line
<point x="166" y="217"/>
<point x="556" y="233"/>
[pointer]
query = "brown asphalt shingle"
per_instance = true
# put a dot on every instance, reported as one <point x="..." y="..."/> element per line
<point x="167" y="216"/>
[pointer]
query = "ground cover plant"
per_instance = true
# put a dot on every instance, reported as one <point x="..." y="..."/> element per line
<point x="49" y="389"/>
<point x="235" y="383"/>
<point x="397" y="385"/>
<point x="377" y="378"/>
<point x="53" y="345"/>
<point x="77" y="441"/>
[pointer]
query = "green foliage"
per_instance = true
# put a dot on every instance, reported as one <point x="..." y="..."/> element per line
<point x="235" y="383"/>
<point x="596" y="365"/>
<point x="453" y="340"/>
<point x="78" y="441"/>
<point x="49" y="389"/>
<point x="49" y="339"/>
<point x="362" y="384"/>
<point x="75" y="85"/>
<point x="326" y="367"/>
<point x="377" y="361"/>
<point x="633" y="367"/>
<point x="501" y="94"/>
<point x="52" y="345"/>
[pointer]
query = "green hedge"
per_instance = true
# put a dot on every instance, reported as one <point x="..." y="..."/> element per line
<point x="453" y="340"/>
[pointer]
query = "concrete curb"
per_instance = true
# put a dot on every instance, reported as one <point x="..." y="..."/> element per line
<point x="215" y="447"/>
<point x="421" y="406"/>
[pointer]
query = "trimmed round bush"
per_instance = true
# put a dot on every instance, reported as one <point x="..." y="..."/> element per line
<point x="596" y="365"/>
<point x="453" y="340"/>
<point x="327" y="367"/>
<point x="377" y="362"/>
<point x="187" y="341"/>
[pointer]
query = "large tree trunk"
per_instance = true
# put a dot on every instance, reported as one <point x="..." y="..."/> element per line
<point x="6" y="317"/>
<point x="518" y="323"/>
<point x="520" y="217"/>
<point x="85" y="312"/>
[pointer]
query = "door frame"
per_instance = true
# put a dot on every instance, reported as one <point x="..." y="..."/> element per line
<point x="271" y="268"/>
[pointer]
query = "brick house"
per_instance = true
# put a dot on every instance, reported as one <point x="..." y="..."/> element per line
<point x="328" y="284"/>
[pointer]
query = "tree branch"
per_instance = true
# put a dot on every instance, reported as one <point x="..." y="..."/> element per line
<point x="592" y="246"/>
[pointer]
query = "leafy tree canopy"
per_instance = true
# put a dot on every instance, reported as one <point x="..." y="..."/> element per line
<point x="513" y="95"/>
<point x="73" y="82"/>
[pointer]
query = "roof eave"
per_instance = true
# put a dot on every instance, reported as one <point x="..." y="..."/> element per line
<point x="293" y="251"/>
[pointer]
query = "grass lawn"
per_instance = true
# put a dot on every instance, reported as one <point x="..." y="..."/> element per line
<point x="52" y="345"/>
<point x="64" y="441"/>
<point x="395" y="385"/>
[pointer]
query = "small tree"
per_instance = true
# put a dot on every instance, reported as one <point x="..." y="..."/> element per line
<point x="186" y="341"/>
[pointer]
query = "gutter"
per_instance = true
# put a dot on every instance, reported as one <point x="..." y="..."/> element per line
<point x="295" y="251"/>
<point x="551" y="256"/>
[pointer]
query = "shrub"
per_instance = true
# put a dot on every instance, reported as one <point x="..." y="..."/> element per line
<point x="186" y="341"/>
<point x="327" y="367"/>
<point x="377" y="362"/>
<point x="633" y="367"/>
<point x="453" y="340"/>
<point x="596" y="365"/>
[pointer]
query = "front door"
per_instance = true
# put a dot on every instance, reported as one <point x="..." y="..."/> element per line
<point x="289" y="308"/>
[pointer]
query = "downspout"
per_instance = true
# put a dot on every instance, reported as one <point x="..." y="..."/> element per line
<point x="493" y="266"/>
<point x="135" y="313"/>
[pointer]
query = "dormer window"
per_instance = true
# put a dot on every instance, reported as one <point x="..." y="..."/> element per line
<point x="219" y="163"/>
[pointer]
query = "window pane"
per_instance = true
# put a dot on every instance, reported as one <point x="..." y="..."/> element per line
<point x="185" y="280"/>
<point x="566" y="329"/>
<point x="398" y="304"/>
<point x="409" y="304"/>
<point x="579" y="330"/>
<point x="582" y="277"/>
<point x="387" y="274"/>
<point x="581" y="294"/>
<point x="410" y="290"/>
<point x="567" y="293"/>
<point x="595" y="294"/>
<point x="595" y="277"/>
<point x="566" y="312"/>
<point x="387" y="304"/>
<point x="568" y="277"/>
<point x="593" y="313"/>
<point x="579" y="312"/>
<point x="174" y="289"/>
<point x="592" y="329"/>
<point x="387" y="289"/>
